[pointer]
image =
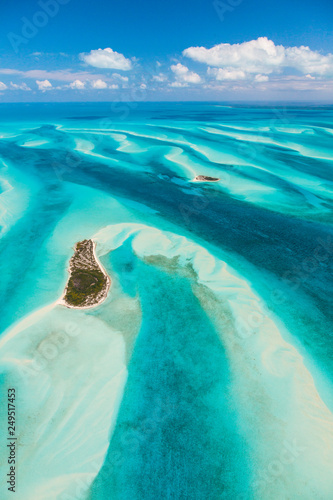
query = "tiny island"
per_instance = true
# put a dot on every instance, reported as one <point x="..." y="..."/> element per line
<point x="205" y="178"/>
<point x="88" y="282"/>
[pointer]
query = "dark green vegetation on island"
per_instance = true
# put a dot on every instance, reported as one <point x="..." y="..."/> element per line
<point x="87" y="284"/>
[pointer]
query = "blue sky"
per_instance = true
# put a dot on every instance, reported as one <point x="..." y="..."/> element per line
<point x="79" y="50"/>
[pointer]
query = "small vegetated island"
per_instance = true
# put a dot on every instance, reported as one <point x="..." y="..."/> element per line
<point x="88" y="283"/>
<point x="205" y="178"/>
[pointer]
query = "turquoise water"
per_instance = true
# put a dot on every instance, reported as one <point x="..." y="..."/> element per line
<point x="206" y="373"/>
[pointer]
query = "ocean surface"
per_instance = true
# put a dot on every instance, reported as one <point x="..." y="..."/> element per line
<point x="207" y="371"/>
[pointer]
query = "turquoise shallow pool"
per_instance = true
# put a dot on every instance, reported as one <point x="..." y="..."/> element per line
<point x="207" y="372"/>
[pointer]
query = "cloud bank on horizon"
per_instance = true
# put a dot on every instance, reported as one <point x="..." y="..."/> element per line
<point x="260" y="56"/>
<point x="224" y="69"/>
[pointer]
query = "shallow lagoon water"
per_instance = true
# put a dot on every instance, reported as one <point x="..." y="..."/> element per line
<point x="207" y="371"/>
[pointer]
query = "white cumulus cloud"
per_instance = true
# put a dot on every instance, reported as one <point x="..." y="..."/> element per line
<point x="3" y="86"/>
<point x="262" y="57"/>
<point x="227" y="74"/>
<point x="261" y="78"/>
<point x="178" y="84"/>
<point x="309" y="61"/>
<point x="19" y="86"/>
<point x="184" y="75"/>
<point x="44" y="85"/>
<point x="159" y="78"/>
<point x="106" y="58"/>
<point x="120" y="77"/>
<point x="77" y="84"/>
<point x="99" y="84"/>
<point x="114" y="86"/>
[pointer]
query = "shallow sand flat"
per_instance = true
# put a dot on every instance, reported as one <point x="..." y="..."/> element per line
<point x="281" y="412"/>
<point x="81" y="363"/>
<point x="222" y="398"/>
<point x="69" y="369"/>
